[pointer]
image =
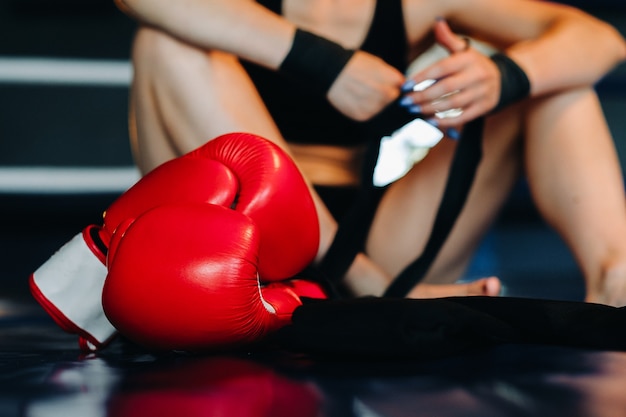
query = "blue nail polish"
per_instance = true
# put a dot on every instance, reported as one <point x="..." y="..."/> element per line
<point x="408" y="86"/>
<point x="406" y="101"/>
<point x="433" y="122"/>
<point x="440" y="19"/>
<point x="415" y="109"/>
<point x="453" y="133"/>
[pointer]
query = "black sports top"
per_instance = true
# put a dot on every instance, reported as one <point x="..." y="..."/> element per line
<point x="305" y="116"/>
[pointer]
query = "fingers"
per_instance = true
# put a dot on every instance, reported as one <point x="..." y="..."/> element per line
<point x="468" y="87"/>
<point x="448" y="39"/>
<point x="365" y="87"/>
<point x="463" y="86"/>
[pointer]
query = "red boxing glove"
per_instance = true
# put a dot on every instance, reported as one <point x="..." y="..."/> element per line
<point x="248" y="174"/>
<point x="185" y="277"/>
<point x="241" y="170"/>
<point x="69" y="285"/>
<point x="272" y="192"/>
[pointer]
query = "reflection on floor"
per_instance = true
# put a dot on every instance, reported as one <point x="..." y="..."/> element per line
<point x="43" y="374"/>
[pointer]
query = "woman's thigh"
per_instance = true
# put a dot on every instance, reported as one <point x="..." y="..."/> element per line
<point x="405" y="217"/>
<point x="182" y="97"/>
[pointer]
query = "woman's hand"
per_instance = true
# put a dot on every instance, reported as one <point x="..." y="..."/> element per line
<point x="366" y="86"/>
<point x="466" y="80"/>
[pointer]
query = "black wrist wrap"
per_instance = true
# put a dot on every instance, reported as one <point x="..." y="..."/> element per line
<point x="315" y="59"/>
<point x="514" y="84"/>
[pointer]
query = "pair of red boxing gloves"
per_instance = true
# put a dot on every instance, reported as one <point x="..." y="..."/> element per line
<point x="199" y="254"/>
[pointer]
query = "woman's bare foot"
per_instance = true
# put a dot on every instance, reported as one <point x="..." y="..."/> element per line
<point x="611" y="288"/>
<point x="490" y="286"/>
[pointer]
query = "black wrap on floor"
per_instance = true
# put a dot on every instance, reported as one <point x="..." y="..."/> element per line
<point x="391" y="328"/>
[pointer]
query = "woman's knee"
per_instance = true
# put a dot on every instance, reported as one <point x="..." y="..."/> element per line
<point x="156" y="51"/>
<point x="150" y="46"/>
<point x="551" y="110"/>
<point x="158" y="55"/>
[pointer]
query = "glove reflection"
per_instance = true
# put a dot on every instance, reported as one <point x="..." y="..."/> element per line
<point x="216" y="386"/>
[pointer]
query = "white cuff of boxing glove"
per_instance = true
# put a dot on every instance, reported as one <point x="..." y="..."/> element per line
<point x="69" y="287"/>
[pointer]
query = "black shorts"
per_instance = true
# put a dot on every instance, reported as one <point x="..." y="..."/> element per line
<point x="337" y="199"/>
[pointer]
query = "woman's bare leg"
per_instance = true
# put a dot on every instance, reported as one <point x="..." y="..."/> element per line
<point x="182" y="97"/>
<point x="576" y="180"/>
<point x="394" y="244"/>
<point x="574" y="176"/>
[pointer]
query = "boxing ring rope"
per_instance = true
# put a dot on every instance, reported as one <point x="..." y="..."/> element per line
<point x="66" y="180"/>
<point x="39" y="70"/>
<point x="73" y="72"/>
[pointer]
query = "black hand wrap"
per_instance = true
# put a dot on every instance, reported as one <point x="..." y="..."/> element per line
<point x="315" y="59"/>
<point x="514" y="83"/>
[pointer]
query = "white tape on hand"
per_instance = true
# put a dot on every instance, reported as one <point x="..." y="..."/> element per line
<point x="403" y="149"/>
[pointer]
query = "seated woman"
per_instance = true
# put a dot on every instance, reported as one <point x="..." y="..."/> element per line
<point x="208" y="67"/>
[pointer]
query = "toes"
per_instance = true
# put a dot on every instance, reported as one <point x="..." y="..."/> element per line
<point x="490" y="286"/>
